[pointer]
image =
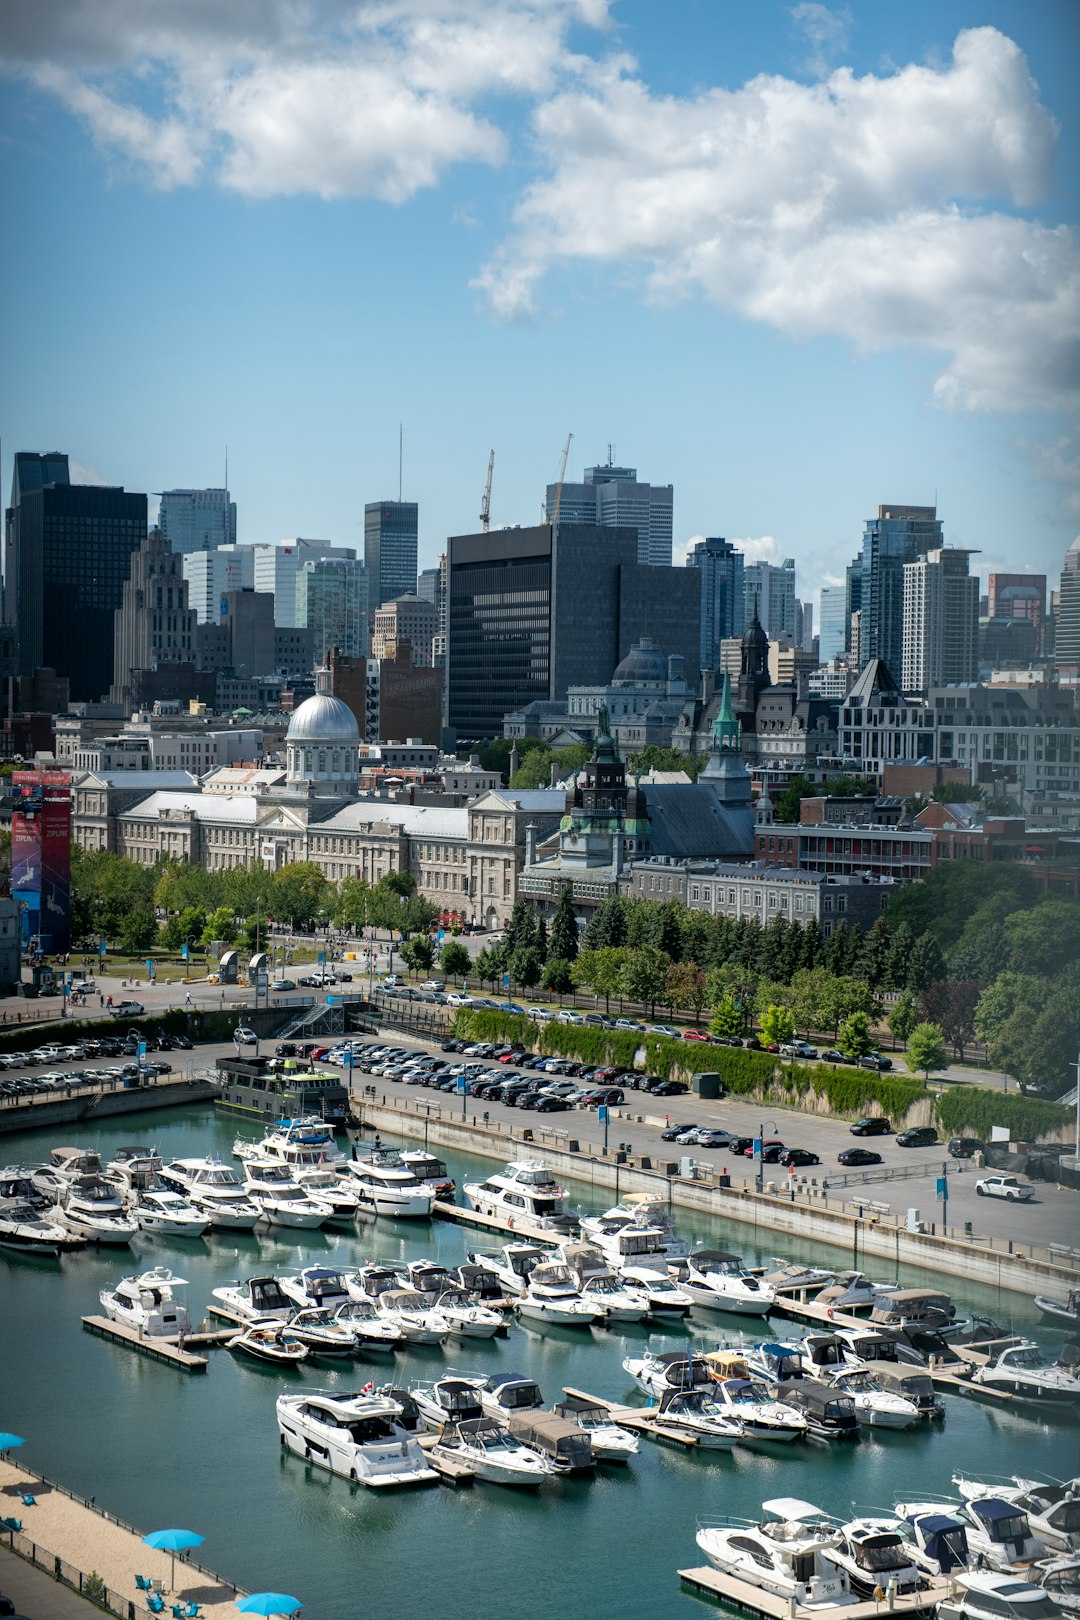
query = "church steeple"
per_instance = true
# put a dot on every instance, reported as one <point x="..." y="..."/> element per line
<point x="725" y="730"/>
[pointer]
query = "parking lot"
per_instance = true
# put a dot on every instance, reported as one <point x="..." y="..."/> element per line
<point x="58" y="1068"/>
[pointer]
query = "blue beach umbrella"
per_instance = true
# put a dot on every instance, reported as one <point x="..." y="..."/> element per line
<point x="9" y="1440"/>
<point x="173" y="1541"/>
<point x="269" y="1603"/>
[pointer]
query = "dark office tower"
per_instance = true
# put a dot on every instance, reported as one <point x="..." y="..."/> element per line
<point x="390" y="544"/>
<point x="722" y="596"/>
<point x="30" y="471"/>
<point x="898" y="535"/>
<point x="74" y="544"/>
<point x="530" y="613"/>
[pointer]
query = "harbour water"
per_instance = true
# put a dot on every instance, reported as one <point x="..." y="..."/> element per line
<point x="157" y="1447"/>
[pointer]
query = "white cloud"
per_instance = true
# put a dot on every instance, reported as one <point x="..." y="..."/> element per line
<point x="80" y="472"/>
<point x="765" y="548"/>
<point x="335" y="98"/>
<point x="826" y="32"/>
<point x="849" y="207"/>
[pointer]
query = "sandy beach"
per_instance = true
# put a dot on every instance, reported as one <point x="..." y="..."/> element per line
<point x="83" y="1536"/>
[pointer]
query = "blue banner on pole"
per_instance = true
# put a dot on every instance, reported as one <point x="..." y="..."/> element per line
<point x="602" y="1114"/>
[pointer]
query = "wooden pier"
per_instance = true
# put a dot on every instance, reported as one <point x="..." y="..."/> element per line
<point x="718" y="1587"/>
<point x="639" y="1420"/>
<point x="445" y="1461"/>
<point x="517" y="1231"/>
<point x="158" y="1349"/>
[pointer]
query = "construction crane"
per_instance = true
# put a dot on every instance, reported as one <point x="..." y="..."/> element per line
<point x="562" y="479"/>
<point x="485" y="504"/>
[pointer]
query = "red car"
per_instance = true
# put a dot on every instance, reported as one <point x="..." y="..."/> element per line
<point x="694" y="1035"/>
<point x="770" y="1150"/>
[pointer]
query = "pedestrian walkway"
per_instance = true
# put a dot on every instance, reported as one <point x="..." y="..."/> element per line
<point x="64" y="1530"/>
<point x="39" y="1597"/>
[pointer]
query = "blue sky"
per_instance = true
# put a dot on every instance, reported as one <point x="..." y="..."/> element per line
<point x="793" y="259"/>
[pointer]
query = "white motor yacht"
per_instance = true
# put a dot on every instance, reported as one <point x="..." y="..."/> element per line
<point x="1026" y="1371"/>
<point x="1060" y="1579"/>
<point x="504" y="1394"/>
<point x="699" y="1414"/>
<point x="17" y="1186"/>
<point x="25" y="1230"/>
<point x="611" y="1443"/>
<point x="316" y="1328"/>
<point x="360" y="1437"/>
<point x="316" y="1286"/>
<point x="626" y="1243"/>
<point x="783" y="1554"/>
<point x="552" y="1296"/>
<point x="216" y="1190"/>
<point x="719" y="1280"/>
<point x="526" y="1193"/>
<point x="467" y="1319"/>
<point x="875" y="1554"/>
<point x="658" y="1374"/>
<point x="268" y="1341"/>
<point x="135" y="1168"/>
<point x="308" y="1135"/>
<point x="878" y="1408"/>
<point x="513" y="1264"/>
<point x="998" y="1533"/>
<point x="747" y="1400"/>
<point x="148" y="1304"/>
<point x="937" y="1542"/>
<point x="330" y="1188"/>
<point x="851" y="1292"/>
<point x="494" y="1454"/>
<point x="982" y="1595"/>
<point x="94" y="1208"/>
<point x="430" y="1172"/>
<point x="663" y="1298"/>
<point x="640" y="1210"/>
<point x="255" y="1299"/>
<point x="388" y="1187"/>
<point x="791" y="1277"/>
<point x="1052" y="1506"/>
<point x="280" y="1198"/>
<point x="614" y="1298"/>
<point x="370" y="1331"/>
<point x="447" y="1400"/>
<point x="170" y="1214"/>
<point x="409" y="1313"/>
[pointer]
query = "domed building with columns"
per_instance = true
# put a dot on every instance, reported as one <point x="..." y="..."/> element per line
<point x="322" y="746"/>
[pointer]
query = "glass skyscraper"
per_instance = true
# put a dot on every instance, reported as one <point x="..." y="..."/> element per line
<point x="391" y="531"/>
<point x="898" y="535"/>
<point x="833" y="622"/>
<point x="722" y="595"/>
<point x="331" y="601"/>
<point x="770" y="594"/>
<point x="197" y="519"/>
<point x="611" y="497"/>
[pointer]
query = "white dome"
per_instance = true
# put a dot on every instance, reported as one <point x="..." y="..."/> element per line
<point x="323" y="719"/>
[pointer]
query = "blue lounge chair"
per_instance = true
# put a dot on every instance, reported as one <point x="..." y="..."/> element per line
<point x="144" y="1583"/>
<point x="155" y="1604"/>
<point x="28" y="1500"/>
<point x="12" y="1524"/>
<point x="192" y="1612"/>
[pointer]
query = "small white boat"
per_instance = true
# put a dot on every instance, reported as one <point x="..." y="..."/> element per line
<point x="148" y="1304"/>
<point x="1025" y="1370"/>
<point x="409" y="1314"/>
<point x="316" y="1286"/>
<point x="748" y="1402"/>
<point x="467" y="1319"/>
<point x="255" y="1299"/>
<point x="1052" y="1509"/>
<point x="315" y="1328"/>
<point x="268" y="1341"/>
<point x="784" y="1554"/>
<point x="505" y="1394"/>
<point x="699" y="1414"/>
<point x="446" y="1401"/>
<point x="430" y="1172"/>
<point x="611" y="1443"/>
<point x="370" y="1330"/>
<point x="552" y="1296"/>
<point x="658" y="1374"/>
<point x="513" y="1264"/>
<point x="360" y="1437"/>
<point x="1060" y="1580"/>
<point x="387" y="1186"/>
<point x="663" y="1297"/>
<point x="25" y="1230"/>
<point x="937" y="1541"/>
<point x="851" y="1292"/>
<point x="875" y="1555"/>
<point x="613" y="1297"/>
<point x="168" y="1213"/>
<point x="877" y="1407"/>
<point x="328" y="1187"/>
<point x="1066" y="1312"/>
<point x="494" y="1454"/>
<point x="215" y="1190"/>
<point x="984" y="1595"/>
<point x="792" y="1277"/>
<point x="281" y="1199"/>
<point x="719" y="1281"/>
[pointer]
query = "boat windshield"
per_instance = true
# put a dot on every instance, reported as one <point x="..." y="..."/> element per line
<point x="1027" y="1355"/>
<point x="881" y="1553"/>
<point x="1013" y="1528"/>
<point x="367" y="1430"/>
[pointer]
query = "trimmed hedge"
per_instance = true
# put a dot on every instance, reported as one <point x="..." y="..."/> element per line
<point x="744" y="1073"/>
<point x="175" y="1021"/>
<point x="973" y="1110"/>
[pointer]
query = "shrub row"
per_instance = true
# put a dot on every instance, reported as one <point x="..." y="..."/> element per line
<point x="973" y="1110"/>
<point x="71" y="1030"/>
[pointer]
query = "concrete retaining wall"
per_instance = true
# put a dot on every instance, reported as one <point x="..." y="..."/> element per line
<point x="40" y="1115"/>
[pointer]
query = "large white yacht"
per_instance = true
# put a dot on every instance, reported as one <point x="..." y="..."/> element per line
<point x="169" y="1214"/>
<point x="148" y="1304"/>
<point x="280" y="1198"/>
<point x="301" y="1143"/>
<point x="785" y="1554"/>
<point x="719" y="1280"/>
<point x="360" y="1437"/>
<point x="637" y="1210"/>
<point x="388" y="1187"/>
<point x="216" y="1190"/>
<point x="255" y="1299"/>
<point x="524" y="1193"/>
<point x="94" y="1208"/>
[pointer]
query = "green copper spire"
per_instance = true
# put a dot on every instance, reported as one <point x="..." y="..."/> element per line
<point x="725" y="731"/>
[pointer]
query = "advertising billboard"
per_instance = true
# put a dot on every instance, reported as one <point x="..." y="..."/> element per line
<point x="41" y="856"/>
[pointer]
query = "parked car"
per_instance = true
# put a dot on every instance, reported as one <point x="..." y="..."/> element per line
<point x="798" y="1157"/>
<point x="628" y="1023"/>
<point x="875" y="1061"/>
<point x="833" y="1056"/>
<point x="965" y="1147"/>
<point x="918" y="1136"/>
<point x="283" y="984"/>
<point x="739" y="1144"/>
<point x="859" y="1156"/>
<point x="393" y="979"/>
<point x="668" y="1088"/>
<point x="872" y="1125"/>
<point x="671" y="1133"/>
<point x="433" y="984"/>
<point x="246" y="1037"/>
<point x="129" y="1009"/>
<point x="1005" y="1187"/>
<point x="753" y="1043"/>
<point x="664" y="1029"/>
<point x="552" y="1105"/>
<point x="695" y="1035"/>
<point x="708" y="1138"/>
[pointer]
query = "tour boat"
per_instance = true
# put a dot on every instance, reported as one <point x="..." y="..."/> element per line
<point x="269" y="1341"/>
<point x="254" y="1299"/>
<point x="166" y="1212"/>
<point x="698" y="1414"/>
<point x="280" y="1197"/>
<point x="552" y="1296"/>
<point x="25" y="1230"/>
<point x="148" y="1304"/>
<point x="611" y="1443"/>
<point x="387" y="1186"/>
<point x="494" y="1454"/>
<point x="984" y="1595"/>
<point x="524" y="1192"/>
<point x="94" y="1209"/>
<point x="216" y="1190"/>
<point x="360" y="1437"/>
<point x="783" y="1554"/>
<point x="720" y="1281"/>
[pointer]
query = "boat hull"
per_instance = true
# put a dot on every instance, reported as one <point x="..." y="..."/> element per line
<point x="556" y="1315"/>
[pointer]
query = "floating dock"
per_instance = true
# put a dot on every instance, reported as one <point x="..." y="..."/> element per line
<point x="445" y="1461"/>
<point x="640" y="1420"/>
<point x="517" y="1231"/>
<point x="718" y="1587"/>
<point x="158" y="1349"/>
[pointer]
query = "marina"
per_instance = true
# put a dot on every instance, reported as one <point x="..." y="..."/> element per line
<point x="309" y="1530"/>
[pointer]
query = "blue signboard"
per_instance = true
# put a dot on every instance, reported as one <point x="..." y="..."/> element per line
<point x="462" y="1083"/>
<point x="506" y="981"/>
<point x="943" y="1187"/>
<point x="321" y="958"/>
<point x="757" y="1147"/>
<point x="602" y="1114"/>
<point x="184" y="952"/>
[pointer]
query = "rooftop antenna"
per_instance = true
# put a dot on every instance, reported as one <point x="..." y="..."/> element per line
<point x="610" y="454"/>
<point x="400" y="452"/>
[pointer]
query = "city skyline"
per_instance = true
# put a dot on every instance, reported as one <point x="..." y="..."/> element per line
<point x="322" y="284"/>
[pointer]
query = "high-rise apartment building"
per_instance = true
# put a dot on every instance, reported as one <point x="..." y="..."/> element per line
<point x="211" y="575"/>
<point x="30" y="471"/>
<point x="940" y="641"/>
<point x="277" y="571"/>
<point x="833" y="622"/>
<point x="332" y="601"/>
<point x="197" y="519"/>
<point x="74" y="544"/>
<point x="154" y="624"/>
<point x="804" y="625"/>
<point x="1067" y="613"/>
<point x="1018" y="596"/>
<point x="897" y="536"/>
<point x="769" y="595"/>
<point x="611" y="497"/>
<point x="391" y="531"/>
<point x="406" y="618"/>
<point x="722" y="595"/>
